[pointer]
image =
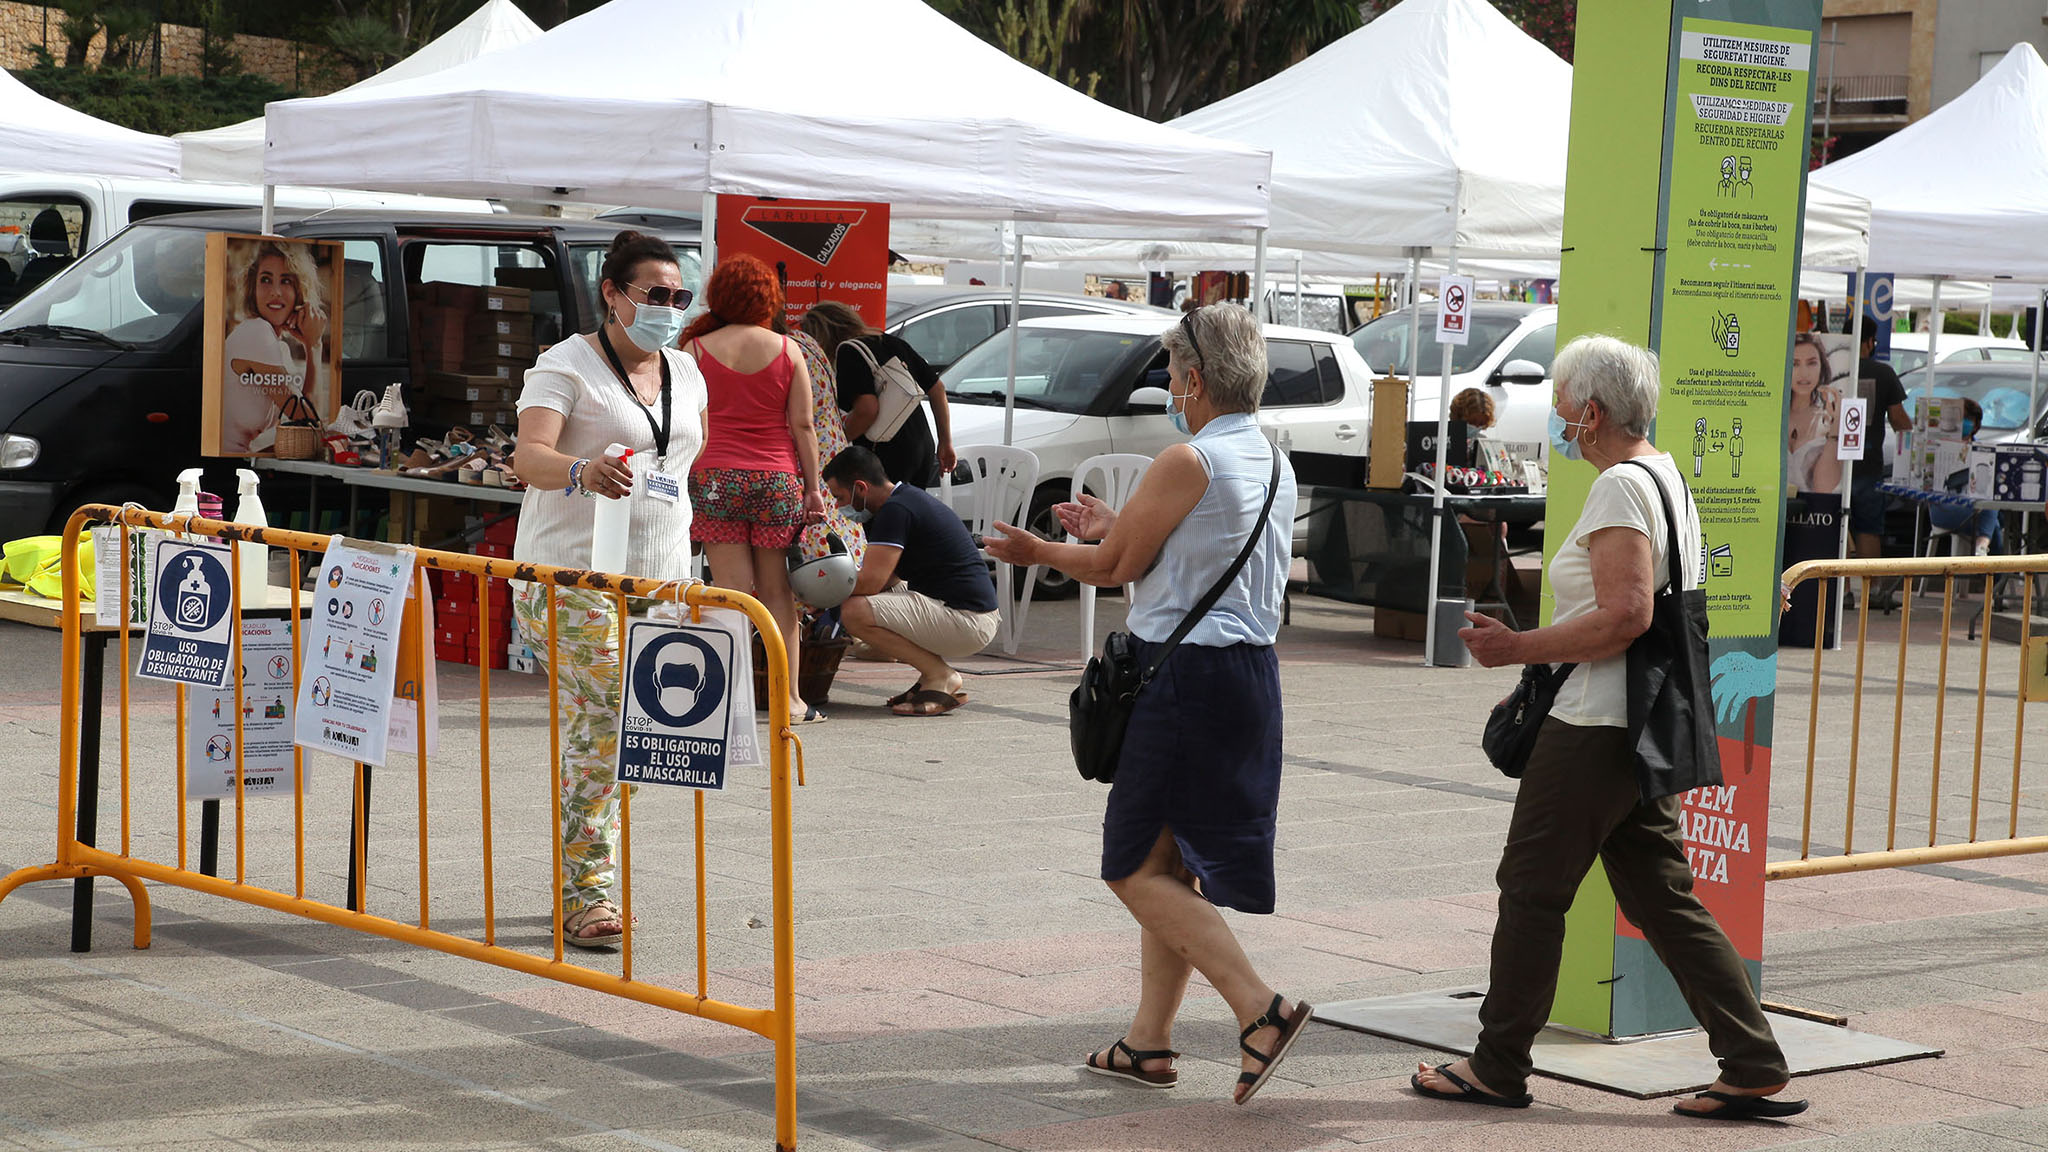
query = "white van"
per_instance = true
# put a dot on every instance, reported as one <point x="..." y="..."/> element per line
<point x="47" y="219"/>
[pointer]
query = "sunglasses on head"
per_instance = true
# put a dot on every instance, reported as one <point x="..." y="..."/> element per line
<point x="663" y="296"/>
<point x="1187" y="327"/>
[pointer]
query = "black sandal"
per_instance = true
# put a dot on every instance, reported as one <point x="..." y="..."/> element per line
<point x="1133" y="1073"/>
<point x="1290" y="1030"/>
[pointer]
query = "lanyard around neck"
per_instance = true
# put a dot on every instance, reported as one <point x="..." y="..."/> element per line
<point x="667" y="414"/>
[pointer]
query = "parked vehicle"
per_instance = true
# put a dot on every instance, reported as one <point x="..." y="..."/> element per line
<point x="47" y="220"/>
<point x="1909" y="350"/>
<point x="943" y="321"/>
<point x="2001" y="389"/>
<point x="1508" y="355"/>
<point x="1088" y="385"/>
<point x="100" y="366"/>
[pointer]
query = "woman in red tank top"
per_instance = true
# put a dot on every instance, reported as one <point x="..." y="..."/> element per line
<point x="756" y="484"/>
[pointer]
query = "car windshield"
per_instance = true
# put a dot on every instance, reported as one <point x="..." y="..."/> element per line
<point x="2003" y="397"/>
<point x="133" y="291"/>
<point x="1057" y="368"/>
<point x="1384" y="342"/>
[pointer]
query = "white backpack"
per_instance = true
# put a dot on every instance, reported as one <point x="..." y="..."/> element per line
<point x="897" y="394"/>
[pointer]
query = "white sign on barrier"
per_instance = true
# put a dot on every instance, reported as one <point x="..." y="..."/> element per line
<point x="266" y="721"/>
<point x="675" y="710"/>
<point x="351" y="653"/>
<point x="188" y="640"/>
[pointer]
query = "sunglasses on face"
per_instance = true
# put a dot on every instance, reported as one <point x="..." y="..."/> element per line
<point x="1187" y="327"/>
<point x="663" y="296"/>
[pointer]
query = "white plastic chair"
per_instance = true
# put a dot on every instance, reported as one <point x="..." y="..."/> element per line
<point x="1004" y="478"/>
<point x="1110" y="478"/>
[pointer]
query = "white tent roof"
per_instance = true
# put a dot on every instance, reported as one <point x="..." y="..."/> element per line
<point x="38" y="134"/>
<point x="1964" y="191"/>
<point x="1439" y="124"/>
<point x="235" y="153"/>
<point x="806" y="98"/>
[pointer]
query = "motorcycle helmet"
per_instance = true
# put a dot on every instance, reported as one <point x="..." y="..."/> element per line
<point x="827" y="581"/>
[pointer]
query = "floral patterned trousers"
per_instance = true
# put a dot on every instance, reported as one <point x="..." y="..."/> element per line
<point x="587" y="683"/>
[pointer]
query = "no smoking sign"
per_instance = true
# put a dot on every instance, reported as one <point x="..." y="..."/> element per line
<point x="1454" y="310"/>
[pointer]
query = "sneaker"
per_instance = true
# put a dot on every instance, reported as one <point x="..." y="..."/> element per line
<point x="390" y="411"/>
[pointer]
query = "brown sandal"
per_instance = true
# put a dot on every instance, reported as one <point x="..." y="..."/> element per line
<point x="1290" y="1031"/>
<point x="929" y="702"/>
<point x="598" y="913"/>
<point x="1131" y="1071"/>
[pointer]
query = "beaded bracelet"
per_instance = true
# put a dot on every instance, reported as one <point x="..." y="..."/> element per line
<point x="576" y="476"/>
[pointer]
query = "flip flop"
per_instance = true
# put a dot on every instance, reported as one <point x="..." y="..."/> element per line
<point x="1131" y="1071"/>
<point x="1735" y="1106"/>
<point x="904" y="696"/>
<point x="928" y="702"/>
<point x="811" y="716"/>
<point x="1290" y="1030"/>
<point x="1468" y="1093"/>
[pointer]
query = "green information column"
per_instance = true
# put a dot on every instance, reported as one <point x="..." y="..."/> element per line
<point x="1686" y="187"/>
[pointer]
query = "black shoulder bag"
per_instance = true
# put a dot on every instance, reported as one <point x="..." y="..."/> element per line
<point x="1099" y="708"/>
<point x="1511" y="730"/>
<point x="1670" y="693"/>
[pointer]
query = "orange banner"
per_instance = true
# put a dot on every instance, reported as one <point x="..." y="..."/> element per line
<point x="824" y="249"/>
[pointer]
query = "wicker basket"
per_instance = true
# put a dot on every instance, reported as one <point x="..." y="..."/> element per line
<point x="298" y="431"/>
<point x="819" y="665"/>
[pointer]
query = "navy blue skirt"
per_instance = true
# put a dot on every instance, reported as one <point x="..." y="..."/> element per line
<point x="1202" y="758"/>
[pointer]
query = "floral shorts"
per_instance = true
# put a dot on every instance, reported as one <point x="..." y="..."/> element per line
<point x="743" y="506"/>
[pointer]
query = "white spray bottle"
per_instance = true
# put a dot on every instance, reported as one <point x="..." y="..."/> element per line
<point x="188" y="493"/>
<point x="255" y="558"/>
<point x="612" y="520"/>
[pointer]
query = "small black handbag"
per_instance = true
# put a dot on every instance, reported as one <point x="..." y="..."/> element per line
<point x="1511" y="730"/>
<point x="1099" y="708"/>
<point x="1670" y="691"/>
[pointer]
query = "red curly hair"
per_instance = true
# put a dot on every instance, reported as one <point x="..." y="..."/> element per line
<point x="743" y="290"/>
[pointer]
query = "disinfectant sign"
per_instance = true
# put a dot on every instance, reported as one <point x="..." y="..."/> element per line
<point x="188" y="640"/>
<point x="676" y="706"/>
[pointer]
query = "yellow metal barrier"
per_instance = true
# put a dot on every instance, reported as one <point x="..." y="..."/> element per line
<point x="75" y="860"/>
<point x="1962" y="838"/>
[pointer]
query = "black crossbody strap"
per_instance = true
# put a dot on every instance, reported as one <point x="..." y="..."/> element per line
<point x="1676" y="573"/>
<point x="1215" y="591"/>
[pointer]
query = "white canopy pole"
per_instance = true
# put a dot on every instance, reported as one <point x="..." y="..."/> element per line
<point x="269" y="209"/>
<point x="707" y="248"/>
<point x="1933" y="342"/>
<point x="2034" y="376"/>
<point x="1870" y="416"/>
<point x="1297" y="289"/>
<point x="1016" y="312"/>
<point x="1436" y="508"/>
<point x="1258" y="286"/>
<point x="1414" y="320"/>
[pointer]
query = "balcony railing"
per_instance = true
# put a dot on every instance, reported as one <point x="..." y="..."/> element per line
<point x="1862" y="95"/>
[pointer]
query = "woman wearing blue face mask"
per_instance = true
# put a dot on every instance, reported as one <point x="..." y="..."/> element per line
<point x="1579" y="801"/>
<point x="623" y="384"/>
<point x="1191" y="817"/>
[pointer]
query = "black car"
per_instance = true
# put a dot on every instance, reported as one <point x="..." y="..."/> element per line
<point x="100" y="367"/>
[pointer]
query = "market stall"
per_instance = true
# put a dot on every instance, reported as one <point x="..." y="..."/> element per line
<point x="38" y="134"/>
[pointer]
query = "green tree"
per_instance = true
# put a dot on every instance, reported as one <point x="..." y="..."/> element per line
<point x="80" y="24"/>
<point x="129" y="31"/>
<point x="167" y="104"/>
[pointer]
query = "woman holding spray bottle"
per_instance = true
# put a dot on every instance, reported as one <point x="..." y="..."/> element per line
<point x="625" y="384"/>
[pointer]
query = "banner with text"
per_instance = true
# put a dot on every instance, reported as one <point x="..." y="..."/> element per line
<point x="823" y="249"/>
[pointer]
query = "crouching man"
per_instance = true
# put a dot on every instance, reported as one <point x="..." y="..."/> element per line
<point x="924" y="595"/>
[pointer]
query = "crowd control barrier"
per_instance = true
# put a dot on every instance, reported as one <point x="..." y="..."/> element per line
<point x="1859" y="729"/>
<point x="78" y="859"/>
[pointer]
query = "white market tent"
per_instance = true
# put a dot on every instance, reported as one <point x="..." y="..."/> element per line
<point x="235" y="153"/>
<point x="38" y="134"/>
<point x="770" y="98"/>
<point x="1963" y="191"/>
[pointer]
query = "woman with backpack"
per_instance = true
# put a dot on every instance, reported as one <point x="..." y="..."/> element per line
<point x="861" y="354"/>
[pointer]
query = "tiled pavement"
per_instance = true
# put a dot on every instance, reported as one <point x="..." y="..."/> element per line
<point x="957" y="954"/>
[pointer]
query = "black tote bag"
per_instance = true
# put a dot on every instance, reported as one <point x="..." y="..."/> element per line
<point x="1670" y="697"/>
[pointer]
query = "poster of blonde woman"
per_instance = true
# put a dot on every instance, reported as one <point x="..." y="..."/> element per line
<point x="272" y="333"/>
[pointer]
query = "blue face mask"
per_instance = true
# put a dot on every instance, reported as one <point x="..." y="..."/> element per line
<point x="855" y="512"/>
<point x="1569" y="449"/>
<point x="1174" y="411"/>
<point x="654" y="328"/>
<point x="1969" y="428"/>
